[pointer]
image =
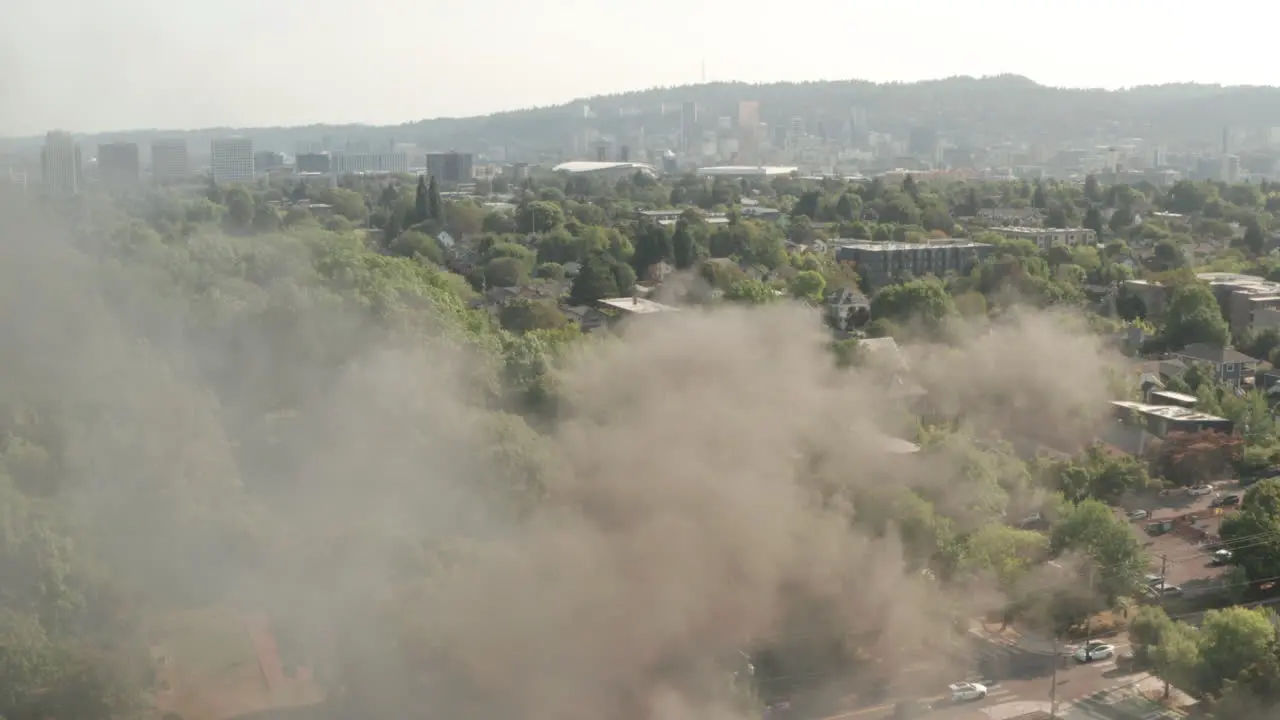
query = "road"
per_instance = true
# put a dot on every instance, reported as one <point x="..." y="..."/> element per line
<point x="1018" y="682"/>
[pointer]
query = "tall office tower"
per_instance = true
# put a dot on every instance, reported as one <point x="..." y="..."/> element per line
<point x="118" y="165"/>
<point x="232" y="160"/>
<point x="450" y="167"/>
<point x="689" y="136"/>
<point x="60" y="164"/>
<point x="749" y="132"/>
<point x="169" y="160"/>
<point x="267" y="160"/>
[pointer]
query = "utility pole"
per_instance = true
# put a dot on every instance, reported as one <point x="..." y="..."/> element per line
<point x="1164" y="567"/>
<point x="1053" y="681"/>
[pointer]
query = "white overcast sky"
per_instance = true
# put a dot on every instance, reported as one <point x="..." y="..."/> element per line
<point x="93" y="65"/>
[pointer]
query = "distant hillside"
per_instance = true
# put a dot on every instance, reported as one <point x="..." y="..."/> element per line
<point x="978" y="111"/>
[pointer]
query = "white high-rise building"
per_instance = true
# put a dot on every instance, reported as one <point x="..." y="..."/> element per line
<point x="232" y="160"/>
<point x="169" y="160"/>
<point x="60" y="164"/>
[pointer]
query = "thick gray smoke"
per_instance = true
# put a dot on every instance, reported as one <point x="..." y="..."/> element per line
<point x="714" y="485"/>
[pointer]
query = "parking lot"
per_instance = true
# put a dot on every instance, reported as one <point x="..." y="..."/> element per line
<point x="1189" y="561"/>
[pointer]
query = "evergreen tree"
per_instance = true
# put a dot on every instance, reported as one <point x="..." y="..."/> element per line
<point x="682" y="246"/>
<point x="1091" y="190"/>
<point x="909" y="187"/>
<point x="1093" y="220"/>
<point x="420" y="209"/>
<point x="1039" y="200"/>
<point x="433" y="201"/>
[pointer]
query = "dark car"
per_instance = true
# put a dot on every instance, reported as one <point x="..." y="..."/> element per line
<point x="1227" y="501"/>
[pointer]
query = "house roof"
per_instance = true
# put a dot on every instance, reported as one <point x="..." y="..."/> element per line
<point x="1216" y="354"/>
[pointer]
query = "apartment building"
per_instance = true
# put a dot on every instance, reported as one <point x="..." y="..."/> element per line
<point x="60" y="165"/>
<point x="1046" y="237"/>
<point x="232" y="160"/>
<point x="884" y="263"/>
<point x="118" y="165"/>
<point x="169" y="160"/>
<point x="450" y="167"/>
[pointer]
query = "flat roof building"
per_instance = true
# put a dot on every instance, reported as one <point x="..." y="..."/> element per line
<point x="118" y="166"/>
<point x="605" y="169"/>
<point x="232" y="160"/>
<point x="1046" y="237"/>
<point x="62" y="172"/>
<point x="169" y="160"/>
<point x="746" y="171"/>
<point x="637" y="305"/>
<point x="884" y="263"/>
<point x="1160" y="420"/>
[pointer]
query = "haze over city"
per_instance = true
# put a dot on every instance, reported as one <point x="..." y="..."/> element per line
<point x="756" y="361"/>
<point x="143" y="64"/>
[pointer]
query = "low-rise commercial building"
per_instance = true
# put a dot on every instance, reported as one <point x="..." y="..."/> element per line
<point x="883" y="263"/>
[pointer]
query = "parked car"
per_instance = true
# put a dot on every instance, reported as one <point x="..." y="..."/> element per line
<point x="1094" y="651"/>
<point x="1227" y="501"/>
<point x="1221" y="557"/>
<point x="1171" y="591"/>
<point x="964" y="691"/>
<point x="1139" y="515"/>
<point x="1199" y="490"/>
<point x="1153" y="579"/>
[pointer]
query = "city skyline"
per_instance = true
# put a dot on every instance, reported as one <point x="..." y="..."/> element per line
<point x="96" y="83"/>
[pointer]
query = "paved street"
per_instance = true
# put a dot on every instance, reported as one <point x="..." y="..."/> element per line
<point x="1018" y="683"/>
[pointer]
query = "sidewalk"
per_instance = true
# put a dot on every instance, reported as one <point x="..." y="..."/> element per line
<point x="1012" y="637"/>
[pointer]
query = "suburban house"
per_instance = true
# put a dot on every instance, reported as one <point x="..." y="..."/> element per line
<point x="1228" y="365"/>
<point x="847" y="308"/>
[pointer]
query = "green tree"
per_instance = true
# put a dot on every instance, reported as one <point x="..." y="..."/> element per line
<point x="240" y="209"/>
<point x="684" y="248"/>
<point x="1193" y="317"/>
<point x="1039" y="200"/>
<point x="413" y="243"/>
<point x="1254" y="238"/>
<point x="505" y="272"/>
<point x="921" y="301"/>
<point x="653" y="245"/>
<point x="1092" y="191"/>
<point x="1147" y="630"/>
<point x="1093" y="220"/>
<point x="808" y="285"/>
<point x="1177" y="657"/>
<point x="435" y="209"/>
<point x="1253" y="533"/>
<point x="520" y="315"/>
<point x="421" y="211"/>
<point x="1007" y="553"/>
<point x="1231" y="641"/>
<point x="750" y="292"/>
<point x="539" y="216"/>
<point x="1092" y="528"/>
<point x="596" y="281"/>
<point x="848" y="207"/>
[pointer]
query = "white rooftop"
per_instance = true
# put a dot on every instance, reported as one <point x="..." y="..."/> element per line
<point x="638" y="305"/>
<point x="586" y="166"/>
<point x="747" y="170"/>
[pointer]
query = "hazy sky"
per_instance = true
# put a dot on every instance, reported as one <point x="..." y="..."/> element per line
<point x="92" y="65"/>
